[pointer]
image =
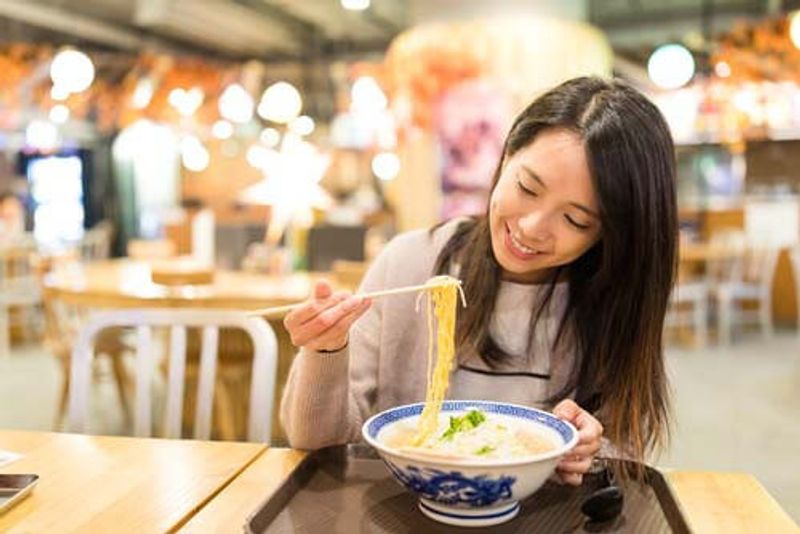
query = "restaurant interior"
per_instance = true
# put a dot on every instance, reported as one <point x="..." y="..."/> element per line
<point x="220" y="157"/>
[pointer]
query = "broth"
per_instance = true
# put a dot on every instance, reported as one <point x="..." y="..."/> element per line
<point x="492" y="439"/>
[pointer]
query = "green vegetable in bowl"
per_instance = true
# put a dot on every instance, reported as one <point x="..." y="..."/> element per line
<point x="486" y="449"/>
<point x="468" y="421"/>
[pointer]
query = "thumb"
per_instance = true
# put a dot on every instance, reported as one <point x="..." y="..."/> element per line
<point x="322" y="290"/>
<point x="567" y="409"/>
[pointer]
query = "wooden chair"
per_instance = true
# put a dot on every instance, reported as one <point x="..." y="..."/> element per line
<point x="688" y="306"/>
<point x="749" y="283"/>
<point x="20" y="288"/>
<point x="178" y="320"/>
<point x="96" y="242"/>
<point x="62" y="322"/>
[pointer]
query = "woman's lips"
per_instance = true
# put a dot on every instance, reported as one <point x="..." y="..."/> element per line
<point x="515" y="248"/>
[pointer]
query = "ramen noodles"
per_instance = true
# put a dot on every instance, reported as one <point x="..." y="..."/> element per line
<point x="442" y="301"/>
<point x="471" y="434"/>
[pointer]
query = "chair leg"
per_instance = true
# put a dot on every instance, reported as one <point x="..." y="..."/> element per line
<point x="765" y="318"/>
<point x="725" y="320"/>
<point x="700" y="325"/>
<point x="223" y="411"/>
<point x="63" y="397"/>
<point x="121" y="378"/>
<point x="5" y="337"/>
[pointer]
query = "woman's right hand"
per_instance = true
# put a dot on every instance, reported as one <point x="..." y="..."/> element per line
<point x="324" y="321"/>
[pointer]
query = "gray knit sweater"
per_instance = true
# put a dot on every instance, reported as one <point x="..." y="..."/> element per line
<point x="328" y="396"/>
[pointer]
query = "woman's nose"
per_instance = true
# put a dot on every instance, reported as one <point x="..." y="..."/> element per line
<point x="536" y="226"/>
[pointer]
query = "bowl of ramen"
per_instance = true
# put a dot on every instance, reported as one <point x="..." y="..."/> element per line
<point x="479" y="462"/>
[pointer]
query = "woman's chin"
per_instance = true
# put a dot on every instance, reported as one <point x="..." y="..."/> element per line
<point x="531" y="275"/>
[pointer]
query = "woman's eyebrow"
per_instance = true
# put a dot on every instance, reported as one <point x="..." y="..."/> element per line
<point x="576" y="205"/>
<point x="533" y="175"/>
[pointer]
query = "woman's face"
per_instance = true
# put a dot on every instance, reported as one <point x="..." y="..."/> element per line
<point x="543" y="211"/>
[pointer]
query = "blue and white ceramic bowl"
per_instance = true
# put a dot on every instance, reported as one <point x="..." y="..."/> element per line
<point x="476" y="492"/>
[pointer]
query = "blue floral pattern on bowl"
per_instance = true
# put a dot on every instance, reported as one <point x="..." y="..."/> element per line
<point x="453" y="488"/>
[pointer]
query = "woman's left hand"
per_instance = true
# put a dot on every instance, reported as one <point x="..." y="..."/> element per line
<point x="572" y="467"/>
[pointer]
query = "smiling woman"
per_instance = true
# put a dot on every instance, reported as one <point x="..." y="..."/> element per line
<point x="539" y="223"/>
<point x="567" y="275"/>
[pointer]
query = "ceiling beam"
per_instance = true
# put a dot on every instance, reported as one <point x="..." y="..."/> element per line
<point x="632" y="16"/>
<point x="93" y="30"/>
<point x="71" y="24"/>
<point x="297" y="25"/>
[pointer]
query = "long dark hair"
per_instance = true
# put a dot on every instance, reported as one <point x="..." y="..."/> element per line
<point x="618" y="289"/>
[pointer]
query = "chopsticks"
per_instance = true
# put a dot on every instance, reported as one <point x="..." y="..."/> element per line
<point x="281" y="310"/>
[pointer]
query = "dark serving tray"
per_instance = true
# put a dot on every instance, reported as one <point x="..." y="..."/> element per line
<point x="349" y="490"/>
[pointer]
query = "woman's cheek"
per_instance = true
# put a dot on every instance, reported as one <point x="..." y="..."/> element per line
<point x="496" y="200"/>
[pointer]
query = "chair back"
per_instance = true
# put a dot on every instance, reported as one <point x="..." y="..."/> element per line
<point x="96" y="242"/>
<point x="726" y="268"/>
<point x="178" y="321"/>
<point x="17" y="273"/>
<point x="758" y="265"/>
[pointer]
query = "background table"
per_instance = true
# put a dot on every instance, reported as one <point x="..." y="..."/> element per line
<point x="125" y="283"/>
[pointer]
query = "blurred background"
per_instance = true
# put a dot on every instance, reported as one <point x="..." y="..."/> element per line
<point x="226" y="153"/>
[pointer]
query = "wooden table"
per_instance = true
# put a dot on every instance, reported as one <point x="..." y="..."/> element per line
<point x="115" y="484"/>
<point x="700" y="252"/>
<point x="125" y="283"/>
<point x="724" y="503"/>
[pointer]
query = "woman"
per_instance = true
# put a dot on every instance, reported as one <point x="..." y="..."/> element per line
<point x="567" y="279"/>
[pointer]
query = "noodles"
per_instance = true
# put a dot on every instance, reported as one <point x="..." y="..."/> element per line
<point x="442" y="300"/>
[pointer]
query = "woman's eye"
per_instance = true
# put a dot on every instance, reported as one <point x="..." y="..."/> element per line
<point x="525" y="189"/>
<point x="576" y="224"/>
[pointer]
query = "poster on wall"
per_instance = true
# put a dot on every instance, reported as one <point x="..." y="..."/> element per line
<point x="471" y="120"/>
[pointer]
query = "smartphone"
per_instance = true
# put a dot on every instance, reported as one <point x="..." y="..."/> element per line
<point x="13" y="488"/>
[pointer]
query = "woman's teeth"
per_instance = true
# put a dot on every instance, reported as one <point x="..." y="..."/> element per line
<point x="521" y="247"/>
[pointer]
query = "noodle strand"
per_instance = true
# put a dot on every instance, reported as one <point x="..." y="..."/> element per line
<point x="442" y="301"/>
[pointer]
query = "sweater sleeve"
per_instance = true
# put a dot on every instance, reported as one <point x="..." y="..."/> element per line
<point x="328" y="396"/>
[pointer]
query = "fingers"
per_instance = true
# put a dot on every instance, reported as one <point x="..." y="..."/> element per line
<point x="585" y="449"/>
<point x="568" y="410"/>
<point x="589" y="429"/>
<point x="322" y="290"/>
<point x="579" y="460"/>
<point x="336" y="336"/>
<point x="330" y="324"/>
<point x="312" y="309"/>
<point x="573" y="479"/>
<point x="575" y="464"/>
